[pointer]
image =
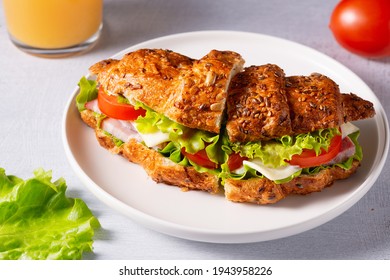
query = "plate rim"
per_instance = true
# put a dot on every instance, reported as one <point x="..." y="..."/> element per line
<point x="215" y="236"/>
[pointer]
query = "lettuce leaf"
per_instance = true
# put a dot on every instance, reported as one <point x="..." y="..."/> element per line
<point x="250" y="173"/>
<point x="274" y="153"/>
<point x="38" y="221"/>
<point x="193" y="140"/>
<point x="88" y="92"/>
<point x="173" y="151"/>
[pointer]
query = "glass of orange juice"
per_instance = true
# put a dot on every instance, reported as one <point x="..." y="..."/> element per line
<point x="54" y="28"/>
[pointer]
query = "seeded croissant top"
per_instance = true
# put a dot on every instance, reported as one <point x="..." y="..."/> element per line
<point x="188" y="91"/>
<point x="257" y="105"/>
<point x="264" y="104"/>
<point x="258" y="102"/>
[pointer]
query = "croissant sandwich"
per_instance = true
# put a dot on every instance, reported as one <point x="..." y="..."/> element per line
<point x="212" y="124"/>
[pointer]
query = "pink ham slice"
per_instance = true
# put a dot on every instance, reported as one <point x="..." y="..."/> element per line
<point x="93" y="106"/>
<point x="123" y="130"/>
<point x="347" y="150"/>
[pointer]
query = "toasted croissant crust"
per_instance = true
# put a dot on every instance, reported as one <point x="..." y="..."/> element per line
<point x="315" y="103"/>
<point x="190" y="92"/>
<point x="356" y="108"/>
<point x="264" y="191"/>
<point x="264" y="104"/>
<point x="257" y="105"/>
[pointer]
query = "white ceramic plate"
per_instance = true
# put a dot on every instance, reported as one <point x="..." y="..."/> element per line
<point x="204" y="217"/>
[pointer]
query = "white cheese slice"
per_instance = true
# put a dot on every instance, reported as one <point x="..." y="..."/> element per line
<point x="347" y="129"/>
<point x="153" y="139"/>
<point x="240" y="170"/>
<point x="271" y="173"/>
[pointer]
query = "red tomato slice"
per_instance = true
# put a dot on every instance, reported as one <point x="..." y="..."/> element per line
<point x="200" y="158"/>
<point x="308" y="158"/>
<point x="110" y="106"/>
<point x="235" y="161"/>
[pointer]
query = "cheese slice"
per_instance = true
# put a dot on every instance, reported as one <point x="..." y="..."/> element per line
<point x="271" y="173"/>
<point x="153" y="139"/>
<point x="347" y="129"/>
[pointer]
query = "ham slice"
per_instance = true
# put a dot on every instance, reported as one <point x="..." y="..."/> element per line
<point x="123" y="130"/>
<point x="347" y="150"/>
<point x="93" y="106"/>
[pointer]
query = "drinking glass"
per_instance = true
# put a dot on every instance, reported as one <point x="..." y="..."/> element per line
<point x="54" y="28"/>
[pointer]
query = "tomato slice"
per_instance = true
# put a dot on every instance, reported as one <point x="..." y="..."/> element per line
<point x="308" y="158"/>
<point x="235" y="161"/>
<point x="200" y="158"/>
<point x="110" y="106"/>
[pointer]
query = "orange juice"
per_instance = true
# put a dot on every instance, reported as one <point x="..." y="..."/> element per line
<point x="52" y="24"/>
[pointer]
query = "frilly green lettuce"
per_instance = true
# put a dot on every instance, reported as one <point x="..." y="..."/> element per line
<point x="193" y="140"/>
<point x="173" y="151"/>
<point x="276" y="152"/>
<point x="38" y="221"/>
<point x="88" y="91"/>
<point x="250" y="173"/>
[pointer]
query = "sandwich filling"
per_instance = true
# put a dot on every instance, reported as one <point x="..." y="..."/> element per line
<point x="279" y="159"/>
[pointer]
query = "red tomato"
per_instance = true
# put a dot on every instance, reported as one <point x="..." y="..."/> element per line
<point x="363" y="26"/>
<point x="110" y="106"/>
<point x="235" y="161"/>
<point x="308" y="158"/>
<point x="200" y="158"/>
